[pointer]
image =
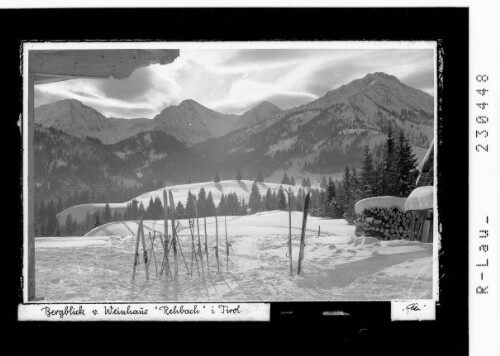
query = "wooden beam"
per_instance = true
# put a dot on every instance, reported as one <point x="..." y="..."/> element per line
<point x="57" y="65"/>
<point x="31" y="190"/>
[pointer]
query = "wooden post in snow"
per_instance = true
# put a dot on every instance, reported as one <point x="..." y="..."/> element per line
<point x="174" y="239"/>
<point x="199" y="240"/>
<point x="165" y="231"/>
<point x="319" y="230"/>
<point x="136" y="255"/>
<point x="206" y="242"/>
<point x="290" y="230"/>
<point x="217" y="242"/>
<point x="144" y="251"/>
<point x="303" y="234"/>
<point x="227" y="245"/>
<point x="192" y="243"/>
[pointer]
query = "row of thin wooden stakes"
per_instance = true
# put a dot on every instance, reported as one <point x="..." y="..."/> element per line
<point x="196" y="251"/>
<point x="172" y="243"/>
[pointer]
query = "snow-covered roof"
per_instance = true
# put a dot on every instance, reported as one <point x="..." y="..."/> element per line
<point x="421" y="198"/>
<point x="379" y="202"/>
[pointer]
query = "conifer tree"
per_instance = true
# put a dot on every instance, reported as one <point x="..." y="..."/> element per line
<point x="141" y="212"/>
<point x="259" y="178"/>
<point x="221" y="208"/>
<point x="209" y="205"/>
<point x="158" y="209"/>
<point x="267" y="202"/>
<point x="190" y="205"/>
<point x="368" y="176"/>
<point x="389" y="178"/>
<point x="282" y="204"/>
<point x="217" y="178"/>
<point x="406" y="165"/>
<point x="323" y="184"/>
<point x="254" y="202"/>
<point x="200" y="203"/>
<point x="238" y="175"/>
<point x="68" y="226"/>
<point x="97" y="219"/>
<point x="106" y="215"/>
<point x="285" y="179"/>
<point x="292" y="181"/>
<point x="179" y="211"/>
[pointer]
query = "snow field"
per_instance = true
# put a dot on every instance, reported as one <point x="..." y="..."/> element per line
<point x="337" y="266"/>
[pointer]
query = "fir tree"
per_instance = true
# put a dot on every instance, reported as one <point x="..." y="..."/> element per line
<point x="217" y="178"/>
<point x="179" y="211"/>
<point x="97" y="219"/>
<point x="259" y="178"/>
<point x="209" y="205"/>
<point x="292" y="181"/>
<point x="406" y="164"/>
<point x="368" y="175"/>
<point x="202" y="198"/>
<point x="158" y="209"/>
<point x="141" y="212"/>
<point x="238" y="175"/>
<point x="282" y="205"/>
<point x="221" y="208"/>
<point x="68" y="226"/>
<point x="254" y="202"/>
<point x="106" y="215"/>
<point x="324" y="184"/>
<point x="389" y="179"/>
<point x="345" y="196"/>
<point x="190" y="205"/>
<point x="267" y="202"/>
<point x="285" y="179"/>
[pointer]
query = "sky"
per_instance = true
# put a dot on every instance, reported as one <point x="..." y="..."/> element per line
<point x="232" y="81"/>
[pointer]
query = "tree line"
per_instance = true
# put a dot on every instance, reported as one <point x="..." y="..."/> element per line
<point x="395" y="174"/>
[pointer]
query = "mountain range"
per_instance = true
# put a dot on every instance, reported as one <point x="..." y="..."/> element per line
<point x="190" y="122"/>
<point x="192" y="142"/>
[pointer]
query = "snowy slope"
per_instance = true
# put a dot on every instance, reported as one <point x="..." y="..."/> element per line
<point x="336" y="265"/>
<point x="180" y="192"/>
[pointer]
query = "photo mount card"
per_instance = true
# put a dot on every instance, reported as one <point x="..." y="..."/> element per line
<point x="303" y="310"/>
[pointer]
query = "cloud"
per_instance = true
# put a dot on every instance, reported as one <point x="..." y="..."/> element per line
<point x="423" y="80"/>
<point x="131" y="89"/>
<point x="42" y="97"/>
<point x="235" y="80"/>
<point x="266" y="56"/>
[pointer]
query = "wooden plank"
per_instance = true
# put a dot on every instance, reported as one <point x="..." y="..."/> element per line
<point x="303" y="234"/>
<point x="144" y="252"/>
<point x="57" y="65"/>
<point x="217" y="242"/>
<point x="136" y="254"/>
<point x="227" y="244"/>
<point x="174" y="238"/>
<point x="165" y="231"/>
<point x="206" y="243"/>
<point x="290" y="230"/>
<point x="31" y="292"/>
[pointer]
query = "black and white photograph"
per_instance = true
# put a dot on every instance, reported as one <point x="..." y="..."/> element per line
<point x="233" y="172"/>
<point x="265" y="179"/>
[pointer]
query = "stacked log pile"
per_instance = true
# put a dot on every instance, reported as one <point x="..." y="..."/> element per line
<point x="386" y="223"/>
